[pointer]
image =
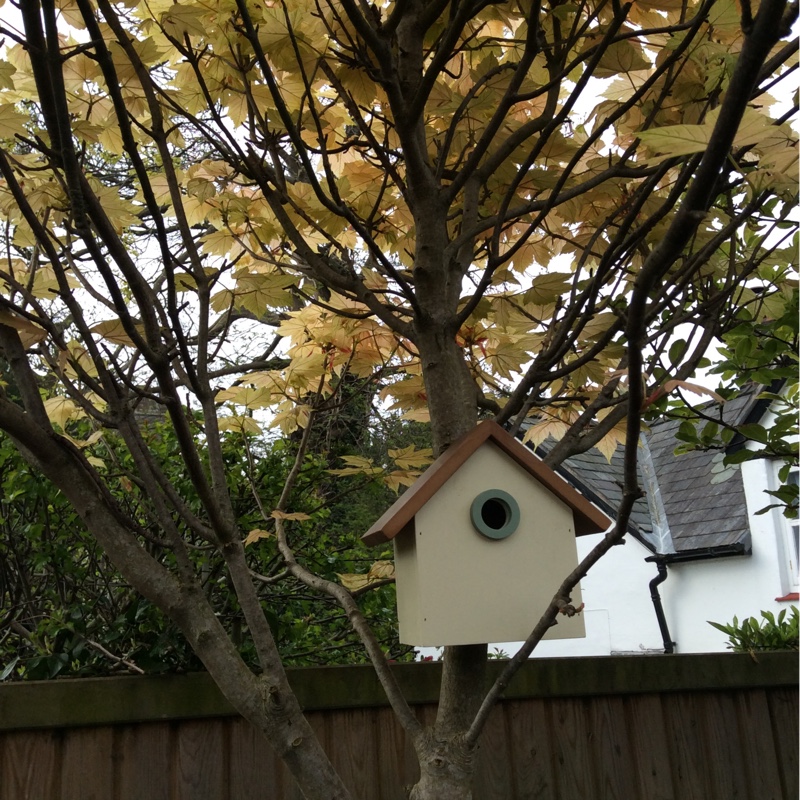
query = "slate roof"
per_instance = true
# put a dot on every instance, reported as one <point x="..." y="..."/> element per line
<point x="592" y="474"/>
<point x="704" y="501"/>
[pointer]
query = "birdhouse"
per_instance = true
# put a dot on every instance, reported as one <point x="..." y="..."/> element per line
<point x="482" y="541"/>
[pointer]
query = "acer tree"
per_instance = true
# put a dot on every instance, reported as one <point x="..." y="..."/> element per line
<point x="245" y="213"/>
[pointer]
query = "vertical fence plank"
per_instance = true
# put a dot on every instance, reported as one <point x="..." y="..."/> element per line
<point x="758" y="745"/>
<point x="397" y="764"/>
<point x="200" y="760"/>
<point x="614" y="764"/>
<point x="143" y="756"/>
<point x="30" y="764"/>
<point x="651" y="753"/>
<point x="494" y="780"/>
<point x="353" y="751"/>
<point x="686" y="741"/>
<point x="255" y="772"/>
<point x="426" y="714"/>
<point x="572" y="739"/>
<point x="322" y="725"/>
<point x="783" y="712"/>
<point x="724" y="769"/>
<point x="87" y="771"/>
<point x="531" y="749"/>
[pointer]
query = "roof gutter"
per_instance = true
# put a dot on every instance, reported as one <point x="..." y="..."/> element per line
<point x="702" y="553"/>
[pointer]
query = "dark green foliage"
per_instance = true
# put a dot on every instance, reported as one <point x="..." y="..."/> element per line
<point x="770" y="634"/>
<point x="64" y="610"/>
<point x="760" y="350"/>
<point x="62" y="604"/>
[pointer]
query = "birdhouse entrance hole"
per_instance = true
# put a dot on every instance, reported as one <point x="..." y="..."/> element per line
<point x="495" y="514"/>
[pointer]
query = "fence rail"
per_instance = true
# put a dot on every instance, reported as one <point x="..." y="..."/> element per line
<point x="646" y="727"/>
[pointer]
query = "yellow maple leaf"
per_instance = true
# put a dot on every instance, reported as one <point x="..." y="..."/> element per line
<point x="298" y="516"/>
<point x="409" y="457"/>
<point x="537" y="433"/>
<point x="240" y="424"/>
<point x="184" y="19"/>
<point x="380" y="571"/>
<point x="12" y="122"/>
<point x="357" y="465"/>
<point x="114" y="331"/>
<point x="353" y="582"/>
<point x="60" y="410"/>
<point x="29" y="333"/>
<point x="246" y="396"/>
<point x="397" y="478"/>
<point x="256" y="535"/>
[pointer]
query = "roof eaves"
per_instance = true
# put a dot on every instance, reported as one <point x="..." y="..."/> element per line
<point x="414" y="498"/>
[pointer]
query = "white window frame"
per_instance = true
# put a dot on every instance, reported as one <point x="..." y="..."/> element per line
<point x="789" y="537"/>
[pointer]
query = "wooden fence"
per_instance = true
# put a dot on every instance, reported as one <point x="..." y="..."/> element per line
<point x="635" y="728"/>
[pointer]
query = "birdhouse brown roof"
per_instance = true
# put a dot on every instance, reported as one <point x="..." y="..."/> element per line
<point x="588" y="518"/>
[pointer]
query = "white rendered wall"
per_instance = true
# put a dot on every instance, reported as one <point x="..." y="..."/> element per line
<point x="619" y="614"/>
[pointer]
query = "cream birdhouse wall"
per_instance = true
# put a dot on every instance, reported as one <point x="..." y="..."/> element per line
<point x="456" y="585"/>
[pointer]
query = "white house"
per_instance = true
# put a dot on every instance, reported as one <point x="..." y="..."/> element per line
<point x="727" y="560"/>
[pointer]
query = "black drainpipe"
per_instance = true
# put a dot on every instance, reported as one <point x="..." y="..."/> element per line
<point x="669" y="645"/>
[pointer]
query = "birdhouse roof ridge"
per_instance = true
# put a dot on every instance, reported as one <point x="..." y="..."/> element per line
<point x="588" y="518"/>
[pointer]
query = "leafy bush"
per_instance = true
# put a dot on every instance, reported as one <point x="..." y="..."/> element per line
<point x="66" y="611"/>
<point x="769" y="634"/>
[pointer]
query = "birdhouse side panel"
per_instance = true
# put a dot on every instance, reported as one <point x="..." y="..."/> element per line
<point x="409" y="598"/>
<point x="471" y="588"/>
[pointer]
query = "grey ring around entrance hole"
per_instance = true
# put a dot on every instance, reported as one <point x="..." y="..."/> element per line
<point x="495" y="514"/>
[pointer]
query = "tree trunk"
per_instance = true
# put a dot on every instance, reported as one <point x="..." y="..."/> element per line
<point x="446" y="762"/>
<point x="446" y="770"/>
<point x="450" y="390"/>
